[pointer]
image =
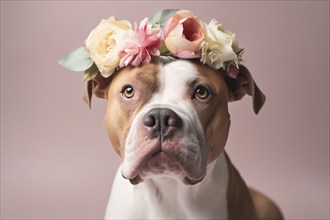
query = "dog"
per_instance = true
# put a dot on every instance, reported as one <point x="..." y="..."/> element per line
<point x="169" y="122"/>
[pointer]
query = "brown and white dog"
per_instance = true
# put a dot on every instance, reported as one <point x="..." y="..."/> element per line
<point x="170" y="123"/>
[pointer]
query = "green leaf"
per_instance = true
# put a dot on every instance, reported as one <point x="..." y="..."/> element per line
<point x="239" y="51"/>
<point x="162" y="16"/>
<point x="91" y="73"/>
<point x="78" y="60"/>
<point x="163" y="49"/>
<point x="88" y="93"/>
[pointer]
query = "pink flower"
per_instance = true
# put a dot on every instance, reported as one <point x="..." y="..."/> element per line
<point x="232" y="72"/>
<point x="184" y="34"/>
<point x="140" y="47"/>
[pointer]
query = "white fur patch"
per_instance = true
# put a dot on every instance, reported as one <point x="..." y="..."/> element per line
<point x="175" y="77"/>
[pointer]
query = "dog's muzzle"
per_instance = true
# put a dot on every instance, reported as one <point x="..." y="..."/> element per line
<point x="163" y="142"/>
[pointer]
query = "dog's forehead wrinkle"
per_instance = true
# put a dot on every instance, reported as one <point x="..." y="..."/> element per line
<point x="179" y="73"/>
<point x="175" y="78"/>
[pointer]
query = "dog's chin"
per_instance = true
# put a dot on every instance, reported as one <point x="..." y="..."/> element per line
<point x="160" y="165"/>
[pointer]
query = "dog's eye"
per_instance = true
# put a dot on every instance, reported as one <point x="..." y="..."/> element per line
<point x="201" y="92"/>
<point x="128" y="91"/>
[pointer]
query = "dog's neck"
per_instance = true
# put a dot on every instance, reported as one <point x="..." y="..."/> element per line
<point x="167" y="196"/>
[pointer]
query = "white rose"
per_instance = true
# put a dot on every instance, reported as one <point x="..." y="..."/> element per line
<point x="105" y="42"/>
<point x="218" y="45"/>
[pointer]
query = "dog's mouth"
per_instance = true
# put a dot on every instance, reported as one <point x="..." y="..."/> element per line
<point x="136" y="180"/>
<point x="160" y="164"/>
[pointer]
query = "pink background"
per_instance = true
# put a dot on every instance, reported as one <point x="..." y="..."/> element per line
<point x="56" y="162"/>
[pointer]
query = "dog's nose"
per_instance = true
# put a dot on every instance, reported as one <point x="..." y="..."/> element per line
<point x="160" y="120"/>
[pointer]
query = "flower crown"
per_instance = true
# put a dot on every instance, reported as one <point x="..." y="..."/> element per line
<point x="169" y="34"/>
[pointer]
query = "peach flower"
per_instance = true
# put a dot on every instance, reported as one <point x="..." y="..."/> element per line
<point x="183" y="34"/>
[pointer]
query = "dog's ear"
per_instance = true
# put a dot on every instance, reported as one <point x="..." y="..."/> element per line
<point x="244" y="84"/>
<point x="97" y="86"/>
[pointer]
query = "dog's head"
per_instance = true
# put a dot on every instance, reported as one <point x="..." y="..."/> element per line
<point x="171" y="119"/>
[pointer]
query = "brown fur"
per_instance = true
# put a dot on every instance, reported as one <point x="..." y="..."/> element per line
<point x="120" y="114"/>
<point x="246" y="203"/>
<point x="266" y="208"/>
<point x="216" y="139"/>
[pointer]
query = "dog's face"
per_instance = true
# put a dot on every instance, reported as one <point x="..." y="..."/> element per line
<point x="168" y="120"/>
